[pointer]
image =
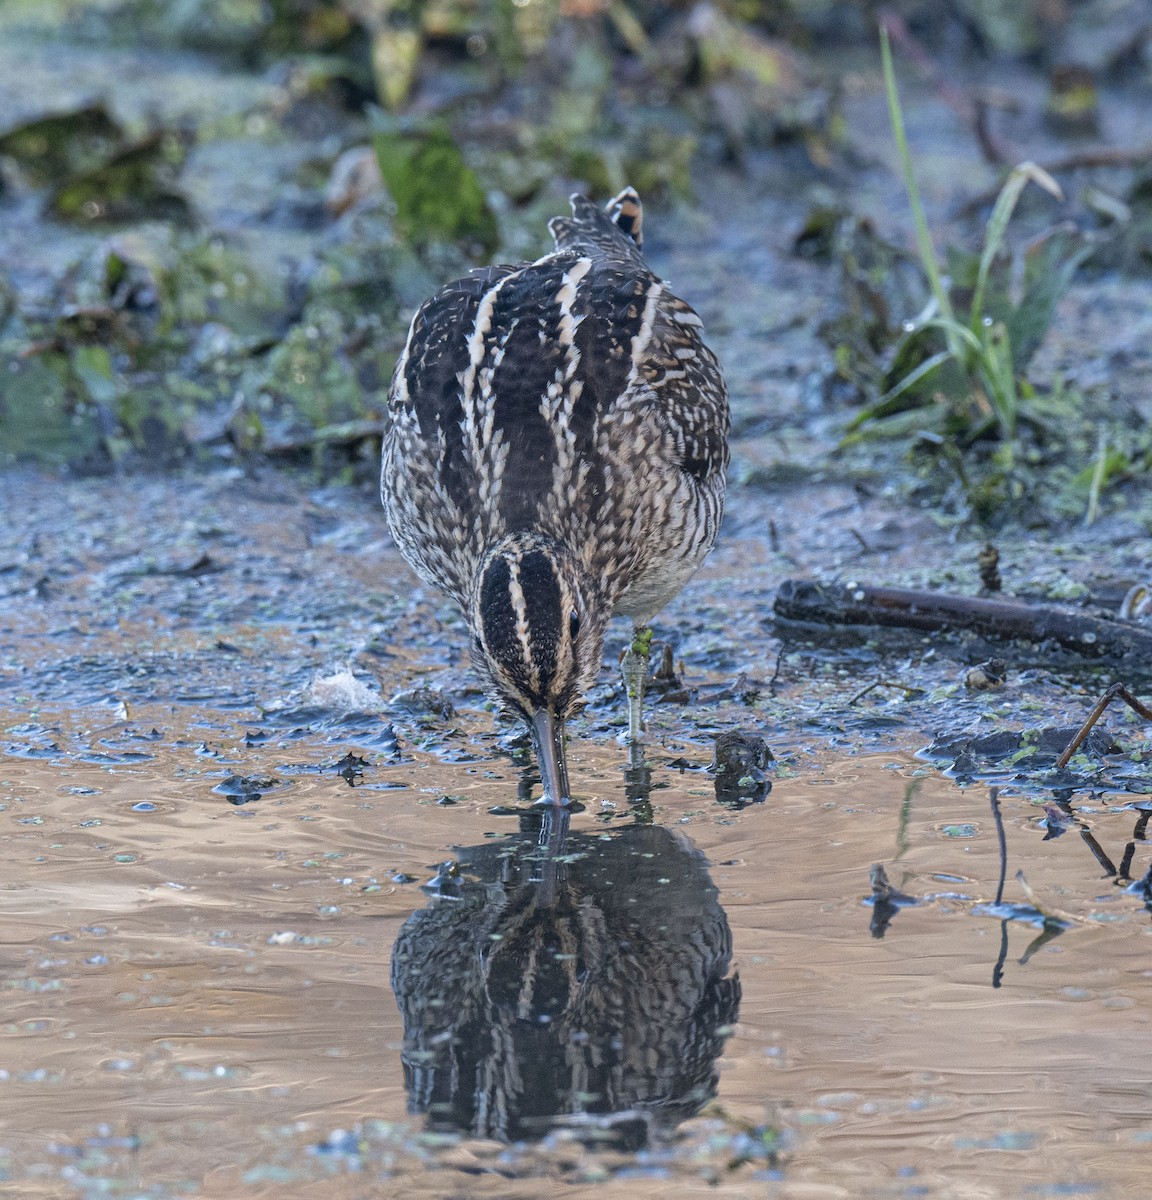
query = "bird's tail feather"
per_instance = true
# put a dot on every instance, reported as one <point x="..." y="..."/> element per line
<point x="617" y="227"/>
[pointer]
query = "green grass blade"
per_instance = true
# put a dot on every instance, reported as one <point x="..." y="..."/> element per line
<point x="1002" y="211"/>
<point x="928" y="418"/>
<point x="953" y="329"/>
<point x="1096" y="486"/>
<point x="999" y="379"/>
<point x="925" y="248"/>
<point x="884" y="406"/>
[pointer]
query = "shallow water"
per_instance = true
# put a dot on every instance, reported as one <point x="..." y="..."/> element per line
<point x="198" y="995"/>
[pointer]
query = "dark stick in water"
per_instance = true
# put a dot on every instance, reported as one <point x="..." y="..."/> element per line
<point x="909" y="608"/>
<point x="1116" y="691"/>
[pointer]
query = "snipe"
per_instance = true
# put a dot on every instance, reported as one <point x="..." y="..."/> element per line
<point x="556" y="456"/>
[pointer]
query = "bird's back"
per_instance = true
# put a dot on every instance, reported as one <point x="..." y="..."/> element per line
<point x="565" y="397"/>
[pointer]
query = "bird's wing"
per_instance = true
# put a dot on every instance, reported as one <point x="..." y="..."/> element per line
<point x="436" y="353"/>
<point x="683" y="378"/>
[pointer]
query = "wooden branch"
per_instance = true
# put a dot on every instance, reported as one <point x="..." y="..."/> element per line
<point x="346" y="434"/>
<point x="907" y="608"/>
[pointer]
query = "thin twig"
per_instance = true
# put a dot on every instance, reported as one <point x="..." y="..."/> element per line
<point x="1098" y="851"/>
<point x="1139" y="834"/>
<point x="1116" y="691"/>
<point x="994" y="800"/>
<point x="998" y="968"/>
<point x="993" y="153"/>
<point x="888" y="683"/>
<point x="776" y="672"/>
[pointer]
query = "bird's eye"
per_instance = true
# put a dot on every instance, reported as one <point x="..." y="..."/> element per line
<point x="478" y="644"/>
<point x="574" y="625"/>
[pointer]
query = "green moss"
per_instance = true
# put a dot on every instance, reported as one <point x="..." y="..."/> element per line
<point x="208" y="279"/>
<point x="42" y="417"/>
<point x="437" y="195"/>
<point x="57" y="146"/>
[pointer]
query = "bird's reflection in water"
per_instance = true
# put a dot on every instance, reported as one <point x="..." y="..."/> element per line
<point x="562" y="978"/>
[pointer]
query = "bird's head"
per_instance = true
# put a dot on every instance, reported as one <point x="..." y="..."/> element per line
<point x="538" y="636"/>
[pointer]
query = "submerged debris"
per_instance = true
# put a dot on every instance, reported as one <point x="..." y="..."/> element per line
<point x="243" y="790"/>
<point x="741" y="762"/>
<point x="1057" y="821"/>
<point x="423" y="701"/>
<point x="976" y="755"/>
<point x="350" y="768"/>
<point x="885" y="900"/>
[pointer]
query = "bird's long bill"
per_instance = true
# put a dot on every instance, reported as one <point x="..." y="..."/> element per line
<point x="548" y="734"/>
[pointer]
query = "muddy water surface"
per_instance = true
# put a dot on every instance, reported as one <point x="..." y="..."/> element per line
<point x="198" y="996"/>
<point x="238" y="742"/>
